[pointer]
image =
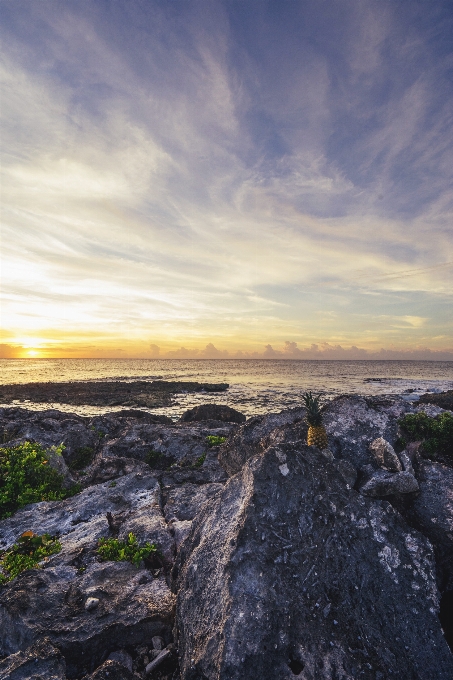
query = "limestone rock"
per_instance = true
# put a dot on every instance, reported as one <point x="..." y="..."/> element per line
<point x="295" y="574"/>
<point x="352" y="422"/>
<point x="432" y="514"/>
<point x="41" y="661"/>
<point x="185" y="502"/>
<point x="385" y="455"/>
<point x="251" y="437"/>
<point x="383" y="483"/>
<point x="50" y="602"/>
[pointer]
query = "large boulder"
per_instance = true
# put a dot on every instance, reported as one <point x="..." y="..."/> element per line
<point x="251" y="438"/>
<point x="431" y="512"/>
<point x="354" y="422"/>
<point x="213" y="412"/>
<point x="88" y="608"/>
<point x="289" y="572"/>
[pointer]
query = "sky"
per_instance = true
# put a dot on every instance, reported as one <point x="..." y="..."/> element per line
<point x="202" y="178"/>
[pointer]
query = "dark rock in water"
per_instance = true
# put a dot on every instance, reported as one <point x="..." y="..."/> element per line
<point x="213" y="412"/>
<point x="42" y="660"/>
<point x="139" y="393"/>
<point x="442" y="399"/>
<point x="288" y="572"/>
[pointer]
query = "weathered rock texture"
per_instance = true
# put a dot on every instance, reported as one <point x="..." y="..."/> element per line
<point x="50" y="602"/>
<point x="443" y="399"/>
<point x="288" y="572"/>
<point x="284" y="572"/>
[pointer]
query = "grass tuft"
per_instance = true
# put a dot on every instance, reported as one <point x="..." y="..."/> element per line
<point x="436" y="434"/>
<point x="29" y="550"/>
<point x="124" y="551"/>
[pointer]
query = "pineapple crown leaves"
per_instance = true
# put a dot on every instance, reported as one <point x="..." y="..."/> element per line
<point x="314" y="416"/>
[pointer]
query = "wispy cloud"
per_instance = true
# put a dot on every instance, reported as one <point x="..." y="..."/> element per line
<point x="190" y="171"/>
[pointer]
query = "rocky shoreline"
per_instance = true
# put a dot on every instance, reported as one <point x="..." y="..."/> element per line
<point x="276" y="560"/>
<point x="140" y="393"/>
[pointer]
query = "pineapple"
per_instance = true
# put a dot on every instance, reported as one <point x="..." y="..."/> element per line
<point x="317" y="435"/>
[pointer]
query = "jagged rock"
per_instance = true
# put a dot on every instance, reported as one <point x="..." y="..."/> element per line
<point x="41" y="661"/>
<point x="406" y="462"/>
<point x="347" y="471"/>
<point x="383" y="483"/>
<point x="49" y="428"/>
<point x="180" y="529"/>
<point x="353" y="422"/>
<point x="167" y="445"/>
<point x="291" y="573"/>
<point x="109" y="468"/>
<point x="442" y="399"/>
<point x="432" y="514"/>
<point x="251" y="437"/>
<point x="185" y="502"/>
<point x="385" y="455"/>
<point x="213" y="412"/>
<point x="133" y="606"/>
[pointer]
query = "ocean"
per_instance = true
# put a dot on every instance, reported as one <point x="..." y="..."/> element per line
<point x="256" y="386"/>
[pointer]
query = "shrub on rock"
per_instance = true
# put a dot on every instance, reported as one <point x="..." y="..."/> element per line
<point x="26" y="477"/>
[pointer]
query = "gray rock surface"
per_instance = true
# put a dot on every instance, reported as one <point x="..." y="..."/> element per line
<point x="385" y="455"/>
<point x="353" y="422"/>
<point x="250" y="438"/>
<point x="432" y="514"/>
<point x="345" y="568"/>
<point x="133" y="606"/>
<point x="383" y="483"/>
<point x="288" y="572"/>
<point x="186" y="501"/>
<point x="41" y="661"/>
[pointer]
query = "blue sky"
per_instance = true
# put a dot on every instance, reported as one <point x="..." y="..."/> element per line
<point x="182" y="172"/>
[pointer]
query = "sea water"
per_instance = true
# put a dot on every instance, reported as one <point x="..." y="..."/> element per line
<point x="256" y="386"/>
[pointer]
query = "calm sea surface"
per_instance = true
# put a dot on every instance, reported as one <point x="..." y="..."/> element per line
<point x="256" y="386"/>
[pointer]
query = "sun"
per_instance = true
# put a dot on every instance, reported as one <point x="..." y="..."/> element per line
<point x="32" y="353"/>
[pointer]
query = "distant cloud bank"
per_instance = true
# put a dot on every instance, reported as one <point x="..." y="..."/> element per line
<point x="290" y="350"/>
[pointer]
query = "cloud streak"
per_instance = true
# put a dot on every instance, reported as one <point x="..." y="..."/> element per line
<point x="197" y="170"/>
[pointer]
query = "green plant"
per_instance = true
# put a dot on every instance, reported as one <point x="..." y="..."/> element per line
<point x="82" y="457"/>
<point x="200" y="460"/>
<point x="214" y="440"/>
<point x="124" y="551"/>
<point x="26" y="477"/>
<point x="29" y="550"/>
<point x="436" y="433"/>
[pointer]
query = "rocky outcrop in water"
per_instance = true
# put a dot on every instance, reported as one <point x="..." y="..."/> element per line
<point x="115" y="393"/>
<point x="274" y="560"/>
